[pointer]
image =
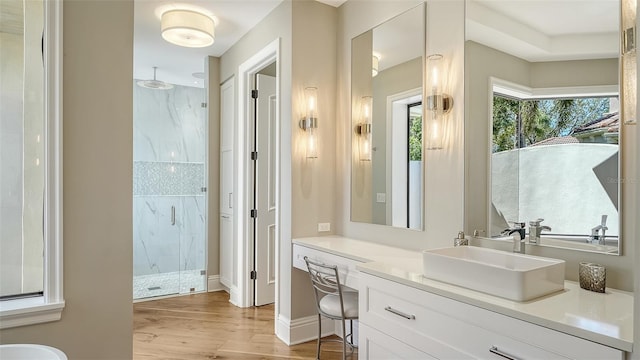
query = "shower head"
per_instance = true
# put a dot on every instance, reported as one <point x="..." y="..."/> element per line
<point x="155" y="84"/>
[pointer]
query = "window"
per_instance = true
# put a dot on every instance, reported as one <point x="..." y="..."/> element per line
<point x="556" y="158"/>
<point x="30" y="192"/>
<point x="415" y="165"/>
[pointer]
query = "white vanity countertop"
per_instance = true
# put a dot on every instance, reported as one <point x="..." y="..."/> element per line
<point x="603" y="318"/>
<point x="358" y="250"/>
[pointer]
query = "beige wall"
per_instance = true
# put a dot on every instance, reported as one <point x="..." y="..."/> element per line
<point x="361" y="172"/>
<point x="277" y="25"/>
<point x="483" y="62"/>
<point x="98" y="116"/>
<point x="313" y="180"/>
<point x="212" y="64"/>
<point x="308" y="29"/>
<point x="633" y="192"/>
<point x="400" y="78"/>
<point x="444" y="174"/>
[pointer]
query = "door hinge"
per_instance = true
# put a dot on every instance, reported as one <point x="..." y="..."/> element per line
<point x="254" y="94"/>
<point x="204" y="105"/>
<point x="203" y="189"/>
<point x="254" y="213"/>
<point x="254" y="275"/>
<point x="254" y="155"/>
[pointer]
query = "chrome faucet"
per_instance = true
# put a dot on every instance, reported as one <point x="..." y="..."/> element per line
<point x="518" y="232"/>
<point x="596" y="237"/>
<point x="518" y="242"/>
<point x="535" y="229"/>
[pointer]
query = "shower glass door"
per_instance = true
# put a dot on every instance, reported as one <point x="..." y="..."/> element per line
<point x="169" y="199"/>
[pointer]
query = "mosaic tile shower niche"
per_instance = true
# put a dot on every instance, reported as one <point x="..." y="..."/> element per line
<point x="169" y="202"/>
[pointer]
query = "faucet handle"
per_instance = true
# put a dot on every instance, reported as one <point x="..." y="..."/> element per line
<point x="604" y="221"/>
<point x="536" y="222"/>
<point x="477" y="232"/>
<point x="518" y="225"/>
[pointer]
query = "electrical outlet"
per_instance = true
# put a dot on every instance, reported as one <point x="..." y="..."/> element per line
<point x="324" y="226"/>
<point x="381" y="197"/>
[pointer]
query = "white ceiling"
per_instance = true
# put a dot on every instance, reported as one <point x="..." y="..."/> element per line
<point x="176" y="64"/>
<point x="391" y="43"/>
<point x="546" y="30"/>
<point x="535" y="30"/>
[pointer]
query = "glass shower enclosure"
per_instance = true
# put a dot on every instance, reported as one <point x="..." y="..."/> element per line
<point x="169" y="194"/>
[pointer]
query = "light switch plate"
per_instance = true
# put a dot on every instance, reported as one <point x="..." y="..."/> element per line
<point x="381" y="197"/>
<point x="324" y="226"/>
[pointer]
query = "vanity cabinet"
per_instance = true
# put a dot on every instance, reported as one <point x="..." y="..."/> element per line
<point x="400" y="321"/>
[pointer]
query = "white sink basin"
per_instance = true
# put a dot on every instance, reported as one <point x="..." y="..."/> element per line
<point x="512" y="276"/>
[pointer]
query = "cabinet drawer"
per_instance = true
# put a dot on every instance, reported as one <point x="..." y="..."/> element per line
<point x="419" y="318"/>
<point x="375" y="345"/>
<point x="346" y="267"/>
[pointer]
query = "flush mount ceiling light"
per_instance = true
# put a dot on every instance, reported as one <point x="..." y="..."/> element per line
<point x="187" y="28"/>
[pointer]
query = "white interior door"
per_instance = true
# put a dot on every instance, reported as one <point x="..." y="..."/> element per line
<point x="265" y="249"/>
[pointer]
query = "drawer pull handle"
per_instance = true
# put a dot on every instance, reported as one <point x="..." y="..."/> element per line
<point x="494" y="350"/>
<point x="400" y="313"/>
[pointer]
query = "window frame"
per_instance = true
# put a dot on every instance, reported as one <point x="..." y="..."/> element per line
<point x="520" y="92"/>
<point x="49" y="306"/>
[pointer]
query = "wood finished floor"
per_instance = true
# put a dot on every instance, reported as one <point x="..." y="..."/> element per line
<point x="207" y="326"/>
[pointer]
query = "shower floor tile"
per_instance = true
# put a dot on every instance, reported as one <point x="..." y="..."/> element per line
<point x="178" y="282"/>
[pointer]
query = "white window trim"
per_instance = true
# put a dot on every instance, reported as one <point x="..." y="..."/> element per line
<point x="48" y="307"/>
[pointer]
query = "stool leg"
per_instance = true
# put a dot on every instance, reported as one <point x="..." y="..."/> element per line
<point x="319" y="337"/>
<point x="344" y="341"/>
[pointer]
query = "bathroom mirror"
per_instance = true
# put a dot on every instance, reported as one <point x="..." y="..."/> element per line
<point x="542" y="120"/>
<point x="386" y="105"/>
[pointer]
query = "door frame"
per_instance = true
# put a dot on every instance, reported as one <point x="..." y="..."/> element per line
<point x="243" y="221"/>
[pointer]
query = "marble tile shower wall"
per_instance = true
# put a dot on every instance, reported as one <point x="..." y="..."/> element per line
<point x="159" y="246"/>
<point x="169" y="172"/>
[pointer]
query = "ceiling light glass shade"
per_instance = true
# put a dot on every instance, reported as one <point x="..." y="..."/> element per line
<point x="374" y="65"/>
<point x="187" y="28"/>
<point x="364" y="128"/>
<point x="438" y="104"/>
<point x="311" y="122"/>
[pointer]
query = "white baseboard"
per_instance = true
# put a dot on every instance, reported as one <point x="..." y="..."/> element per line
<point x="234" y="296"/>
<point x="301" y="330"/>
<point x="214" y="284"/>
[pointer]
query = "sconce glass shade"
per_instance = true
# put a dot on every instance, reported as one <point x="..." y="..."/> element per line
<point x="364" y="129"/>
<point x="628" y="62"/>
<point x="437" y="104"/>
<point x="374" y="65"/>
<point x="187" y="28"/>
<point x="310" y="122"/>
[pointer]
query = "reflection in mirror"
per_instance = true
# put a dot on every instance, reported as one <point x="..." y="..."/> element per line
<point x="549" y="98"/>
<point x="386" y="102"/>
<point x="22" y="145"/>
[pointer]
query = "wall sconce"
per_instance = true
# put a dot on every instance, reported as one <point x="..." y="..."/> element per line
<point x="310" y="122"/>
<point x="363" y="129"/>
<point x="374" y="65"/>
<point x="437" y="103"/>
<point x="187" y="28"/>
<point x="628" y="62"/>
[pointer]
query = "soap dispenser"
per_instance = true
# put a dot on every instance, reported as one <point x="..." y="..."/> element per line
<point x="460" y="240"/>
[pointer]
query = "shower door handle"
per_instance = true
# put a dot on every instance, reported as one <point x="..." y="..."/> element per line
<point x="230" y="200"/>
<point x="173" y="215"/>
